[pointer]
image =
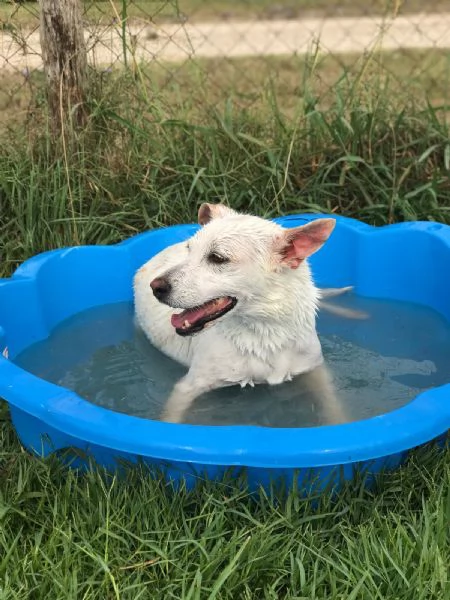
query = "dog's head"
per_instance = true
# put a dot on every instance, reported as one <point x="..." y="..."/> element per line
<point x="236" y="263"/>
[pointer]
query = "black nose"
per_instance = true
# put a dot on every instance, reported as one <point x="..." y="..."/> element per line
<point x="161" y="288"/>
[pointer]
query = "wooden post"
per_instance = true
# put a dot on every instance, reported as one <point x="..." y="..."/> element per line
<point x="65" y="61"/>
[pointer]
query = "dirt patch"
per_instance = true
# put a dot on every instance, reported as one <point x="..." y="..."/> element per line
<point x="179" y="42"/>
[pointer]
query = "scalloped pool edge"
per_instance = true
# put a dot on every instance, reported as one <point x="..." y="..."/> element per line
<point x="48" y="418"/>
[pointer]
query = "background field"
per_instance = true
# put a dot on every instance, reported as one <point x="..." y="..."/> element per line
<point x="361" y="132"/>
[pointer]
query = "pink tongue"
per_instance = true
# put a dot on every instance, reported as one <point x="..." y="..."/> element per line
<point x="192" y="316"/>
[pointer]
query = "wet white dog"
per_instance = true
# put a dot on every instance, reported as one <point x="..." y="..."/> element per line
<point x="242" y="284"/>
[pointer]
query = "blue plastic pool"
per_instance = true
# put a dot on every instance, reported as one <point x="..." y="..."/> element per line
<point x="402" y="262"/>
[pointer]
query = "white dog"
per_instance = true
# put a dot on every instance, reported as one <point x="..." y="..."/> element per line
<point x="243" y="284"/>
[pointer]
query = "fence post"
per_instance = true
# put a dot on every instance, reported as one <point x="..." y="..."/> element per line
<point x="65" y="61"/>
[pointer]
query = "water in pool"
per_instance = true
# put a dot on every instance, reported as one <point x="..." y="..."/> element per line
<point x="378" y="364"/>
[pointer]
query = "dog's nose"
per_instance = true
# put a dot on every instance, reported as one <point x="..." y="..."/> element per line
<point x="161" y="287"/>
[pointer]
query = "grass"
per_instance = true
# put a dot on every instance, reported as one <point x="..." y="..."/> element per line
<point x="367" y="147"/>
<point x="65" y="536"/>
<point x="151" y="152"/>
<point x="249" y="80"/>
<point x="102" y="11"/>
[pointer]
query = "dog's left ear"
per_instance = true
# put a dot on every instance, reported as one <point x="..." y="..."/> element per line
<point x="208" y="212"/>
<point x="294" y="245"/>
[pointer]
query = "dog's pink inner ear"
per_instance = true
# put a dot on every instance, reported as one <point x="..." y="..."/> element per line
<point x="204" y="214"/>
<point x="207" y="212"/>
<point x="301" y="242"/>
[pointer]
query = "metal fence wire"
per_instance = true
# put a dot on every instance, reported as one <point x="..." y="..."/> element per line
<point x="208" y="49"/>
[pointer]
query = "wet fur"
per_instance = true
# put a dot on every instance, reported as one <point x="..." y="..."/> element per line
<point x="269" y="337"/>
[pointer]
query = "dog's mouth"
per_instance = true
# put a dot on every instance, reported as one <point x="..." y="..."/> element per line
<point x="193" y="320"/>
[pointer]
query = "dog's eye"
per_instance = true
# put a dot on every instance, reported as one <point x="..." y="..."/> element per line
<point x="217" y="259"/>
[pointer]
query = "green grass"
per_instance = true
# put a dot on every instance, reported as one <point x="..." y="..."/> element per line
<point x="195" y="86"/>
<point x="65" y="536"/>
<point x="153" y="149"/>
<point x="365" y="148"/>
<point x="363" y="163"/>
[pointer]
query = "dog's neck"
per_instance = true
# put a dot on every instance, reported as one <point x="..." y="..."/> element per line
<point x="285" y="318"/>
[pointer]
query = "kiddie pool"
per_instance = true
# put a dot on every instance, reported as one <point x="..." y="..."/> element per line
<point x="408" y="261"/>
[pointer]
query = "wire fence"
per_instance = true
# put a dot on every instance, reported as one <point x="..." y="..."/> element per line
<point x="205" y="50"/>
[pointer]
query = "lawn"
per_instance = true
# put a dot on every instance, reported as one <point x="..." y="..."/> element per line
<point x="370" y="141"/>
<point x="364" y="137"/>
<point x="67" y="537"/>
<point x="195" y="86"/>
